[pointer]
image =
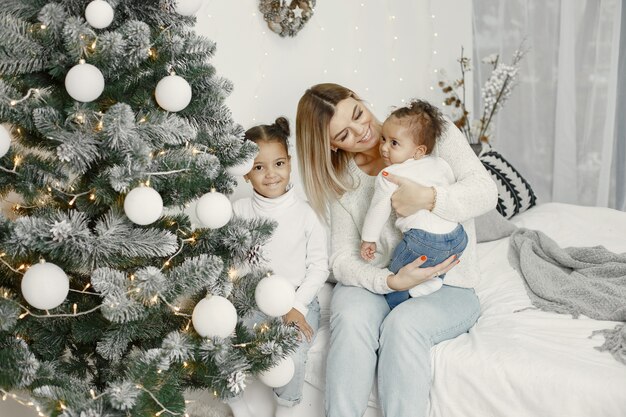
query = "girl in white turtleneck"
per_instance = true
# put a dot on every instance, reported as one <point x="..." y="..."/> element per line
<point x="297" y="249"/>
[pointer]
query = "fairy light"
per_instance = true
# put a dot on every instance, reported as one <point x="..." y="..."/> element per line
<point x="75" y="308"/>
<point x="434" y="51"/>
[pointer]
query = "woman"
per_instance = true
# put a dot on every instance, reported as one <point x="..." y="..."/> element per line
<point x="337" y="144"/>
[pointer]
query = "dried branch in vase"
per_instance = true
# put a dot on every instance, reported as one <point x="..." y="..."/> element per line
<point x="494" y="94"/>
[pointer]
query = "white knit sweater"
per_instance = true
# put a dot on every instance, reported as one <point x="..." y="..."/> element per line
<point x="473" y="194"/>
<point x="297" y="250"/>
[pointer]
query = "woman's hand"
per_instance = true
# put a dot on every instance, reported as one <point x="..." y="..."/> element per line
<point x="410" y="196"/>
<point x="294" y="316"/>
<point x="411" y="274"/>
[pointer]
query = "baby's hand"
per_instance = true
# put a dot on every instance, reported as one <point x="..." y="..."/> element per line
<point x="368" y="250"/>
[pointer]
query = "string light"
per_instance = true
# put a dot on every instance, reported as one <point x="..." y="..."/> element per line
<point x="22" y="401"/>
<point x="396" y="27"/>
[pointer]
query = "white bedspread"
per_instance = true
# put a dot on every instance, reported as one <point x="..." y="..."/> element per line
<point x="522" y="364"/>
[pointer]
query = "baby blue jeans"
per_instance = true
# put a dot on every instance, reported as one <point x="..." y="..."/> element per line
<point x="417" y="242"/>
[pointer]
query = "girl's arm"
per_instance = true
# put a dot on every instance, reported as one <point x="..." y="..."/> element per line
<point x="473" y="194"/>
<point x="316" y="263"/>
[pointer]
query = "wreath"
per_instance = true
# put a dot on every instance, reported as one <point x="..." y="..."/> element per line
<point x="286" y="17"/>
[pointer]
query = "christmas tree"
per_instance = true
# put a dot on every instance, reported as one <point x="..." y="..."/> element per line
<point x="112" y="116"/>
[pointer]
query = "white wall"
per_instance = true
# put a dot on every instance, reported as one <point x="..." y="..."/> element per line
<point x="386" y="51"/>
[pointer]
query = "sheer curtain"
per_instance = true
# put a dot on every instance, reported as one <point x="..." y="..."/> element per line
<point x="560" y="127"/>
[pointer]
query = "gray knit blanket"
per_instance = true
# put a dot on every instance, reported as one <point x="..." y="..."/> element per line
<point x="585" y="280"/>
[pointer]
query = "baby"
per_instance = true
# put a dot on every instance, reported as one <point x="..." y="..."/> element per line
<point x="408" y="138"/>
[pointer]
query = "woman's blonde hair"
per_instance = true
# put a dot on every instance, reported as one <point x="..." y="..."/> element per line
<point x="323" y="172"/>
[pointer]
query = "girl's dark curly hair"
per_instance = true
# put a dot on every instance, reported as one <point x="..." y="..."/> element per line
<point x="276" y="132"/>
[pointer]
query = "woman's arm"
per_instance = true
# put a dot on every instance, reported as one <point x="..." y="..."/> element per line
<point x="345" y="259"/>
<point x="473" y="193"/>
<point x="349" y="269"/>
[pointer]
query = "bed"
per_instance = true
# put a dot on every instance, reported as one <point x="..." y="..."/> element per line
<point x="512" y="363"/>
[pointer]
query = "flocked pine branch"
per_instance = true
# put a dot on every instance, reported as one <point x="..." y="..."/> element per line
<point x="122" y="342"/>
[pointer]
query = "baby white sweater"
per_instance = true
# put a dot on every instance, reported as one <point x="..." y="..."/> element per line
<point x="297" y="250"/>
<point x="473" y="194"/>
<point x="429" y="171"/>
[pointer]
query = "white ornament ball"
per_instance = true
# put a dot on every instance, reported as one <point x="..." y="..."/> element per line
<point x="84" y="82"/>
<point x="173" y="93"/>
<point x="5" y="141"/>
<point x="214" y="210"/>
<point x="214" y="316"/>
<point x="143" y="205"/>
<point x="274" y="295"/>
<point x="280" y="374"/>
<point x="188" y="7"/>
<point x="241" y="169"/>
<point x="99" y="14"/>
<point x="45" y="286"/>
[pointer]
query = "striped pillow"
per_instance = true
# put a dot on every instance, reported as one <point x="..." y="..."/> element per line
<point x="514" y="193"/>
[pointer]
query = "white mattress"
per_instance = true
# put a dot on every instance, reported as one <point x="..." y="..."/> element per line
<point x="528" y="363"/>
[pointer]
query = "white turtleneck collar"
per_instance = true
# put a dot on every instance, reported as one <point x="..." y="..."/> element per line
<point x="264" y="204"/>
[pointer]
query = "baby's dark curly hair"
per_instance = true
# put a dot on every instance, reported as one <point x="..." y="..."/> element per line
<point x="276" y="132"/>
<point x="425" y="121"/>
